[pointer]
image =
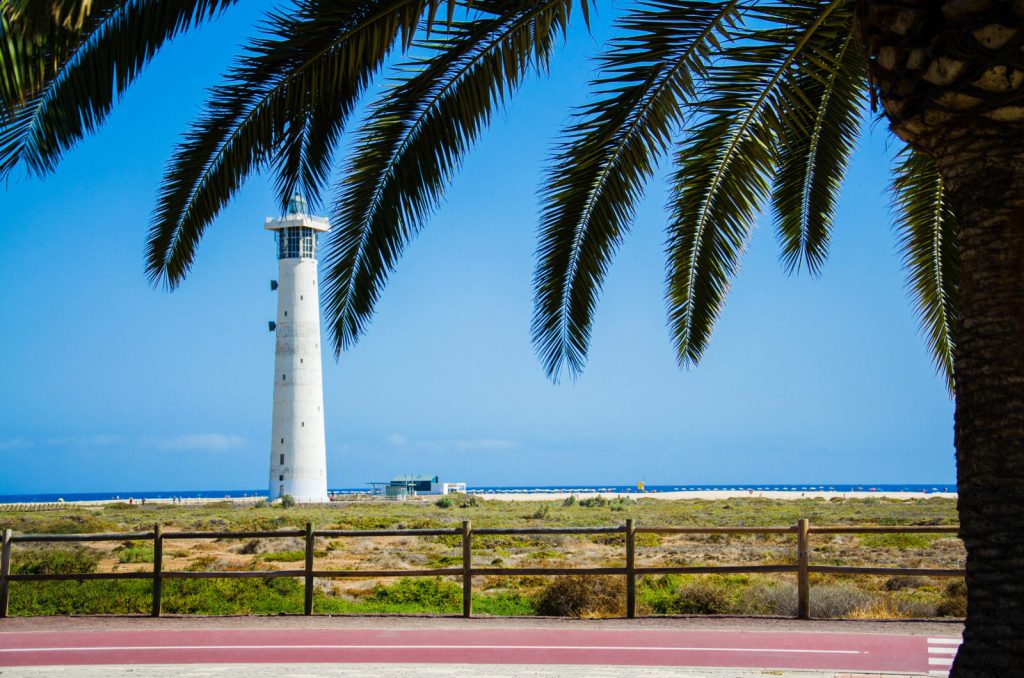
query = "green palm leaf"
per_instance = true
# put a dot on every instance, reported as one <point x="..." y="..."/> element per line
<point x="413" y="140"/>
<point x="820" y="126"/>
<point x="725" y="165"/>
<point x="926" y="231"/>
<point x="609" y="153"/>
<point x="60" y="84"/>
<point x="285" y="102"/>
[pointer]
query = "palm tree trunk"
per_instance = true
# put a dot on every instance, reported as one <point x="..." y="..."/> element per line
<point x="949" y="76"/>
<point x="988" y="192"/>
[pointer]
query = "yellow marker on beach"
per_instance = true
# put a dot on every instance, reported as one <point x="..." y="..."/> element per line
<point x="640" y="486"/>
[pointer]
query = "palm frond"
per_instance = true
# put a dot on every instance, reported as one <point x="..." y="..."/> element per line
<point x="60" y="85"/>
<point x="726" y="163"/>
<point x="820" y="125"/>
<point x="926" y="232"/>
<point x="610" y="151"/>
<point x="413" y="140"/>
<point x="286" y="100"/>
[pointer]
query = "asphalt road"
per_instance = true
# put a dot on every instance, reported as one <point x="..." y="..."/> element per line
<point x="829" y="651"/>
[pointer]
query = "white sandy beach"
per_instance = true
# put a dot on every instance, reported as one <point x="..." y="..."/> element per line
<point x="550" y="496"/>
<point x="714" y="494"/>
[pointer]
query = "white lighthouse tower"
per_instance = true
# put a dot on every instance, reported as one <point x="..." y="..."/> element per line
<point x="298" y="455"/>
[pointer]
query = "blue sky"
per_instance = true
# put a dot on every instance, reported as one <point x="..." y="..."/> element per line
<point x="113" y="385"/>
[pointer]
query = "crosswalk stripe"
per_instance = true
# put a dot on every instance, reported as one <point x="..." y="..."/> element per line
<point x="940" y="661"/>
<point x="945" y="641"/>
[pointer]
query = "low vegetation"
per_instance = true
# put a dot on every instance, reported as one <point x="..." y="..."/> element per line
<point x="585" y="596"/>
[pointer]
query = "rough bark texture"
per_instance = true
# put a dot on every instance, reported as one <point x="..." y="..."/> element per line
<point x="948" y="76"/>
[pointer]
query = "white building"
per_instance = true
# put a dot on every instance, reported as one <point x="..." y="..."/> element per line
<point x="298" y="454"/>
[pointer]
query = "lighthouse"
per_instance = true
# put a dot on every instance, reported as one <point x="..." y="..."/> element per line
<point x="298" y="454"/>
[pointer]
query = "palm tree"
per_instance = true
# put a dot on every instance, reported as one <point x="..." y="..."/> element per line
<point x="753" y="104"/>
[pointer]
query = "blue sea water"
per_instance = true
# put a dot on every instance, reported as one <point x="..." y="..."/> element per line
<point x="591" y="489"/>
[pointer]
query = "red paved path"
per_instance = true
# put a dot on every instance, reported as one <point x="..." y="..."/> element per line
<point x="822" y="651"/>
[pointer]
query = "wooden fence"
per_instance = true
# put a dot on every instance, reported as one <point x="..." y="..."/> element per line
<point x="802" y="568"/>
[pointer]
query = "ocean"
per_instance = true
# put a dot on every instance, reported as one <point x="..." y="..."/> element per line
<point x="539" y="489"/>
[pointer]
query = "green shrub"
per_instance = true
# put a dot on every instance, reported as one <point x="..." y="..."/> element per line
<point x="46" y="598"/>
<point x="135" y="553"/>
<point x="445" y="561"/>
<point x="504" y="604"/>
<point x="698" y="597"/>
<point x="542" y="512"/>
<point x="897" y="540"/>
<point x="287" y="501"/>
<point x="594" y="502"/>
<point x="546" y="554"/>
<point x="904" y="581"/>
<point x="233" y="596"/>
<point x="262" y="503"/>
<point x="74" y="560"/>
<point x="583" y="596"/>
<point x="444" y="502"/>
<point x="433" y="592"/>
<point x="828" y="601"/>
<point x="954" y="600"/>
<point x="570" y="500"/>
<point x="284" y="556"/>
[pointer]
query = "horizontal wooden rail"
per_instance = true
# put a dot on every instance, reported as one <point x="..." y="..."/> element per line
<point x="715" y="530"/>
<point x="80" y="576"/>
<point x="125" y="536"/>
<point x="386" y="533"/>
<point x="232" y="574"/>
<point x="875" y="529"/>
<point x="718" y="569"/>
<point x="887" y="571"/>
<point x="252" y="534"/>
<point x="466" y="571"/>
<point x="363" y="574"/>
<point x="546" y="571"/>
<point x="549" y="530"/>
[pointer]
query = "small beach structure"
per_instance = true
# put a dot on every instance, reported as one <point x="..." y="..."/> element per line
<point x="405" y="486"/>
<point x="298" y="453"/>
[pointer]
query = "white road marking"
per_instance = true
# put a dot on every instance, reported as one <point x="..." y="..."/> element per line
<point x="425" y="647"/>
<point x="945" y="641"/>
<point x="938" y="673"/>
<point x="940" y="661"/>
<point x="942" y="650"/>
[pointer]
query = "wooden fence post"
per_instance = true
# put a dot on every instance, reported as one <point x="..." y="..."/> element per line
<point x="467" y="569"/>
<point x="5" y="571"/>
<point x="158" y="569"/>
<point x="310" y="543"/>
<point x="630" y="569"/>
<point x="803" y="579"/>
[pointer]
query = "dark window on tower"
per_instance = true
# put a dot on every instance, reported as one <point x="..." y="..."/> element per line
<point x="283" y="377"/>
<point x="280" y="477"/>
<point x="282" y="458"/>
<point x="303" y="424"/>
<point x="282" y="441"/>
<point x="286" y="314"/>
